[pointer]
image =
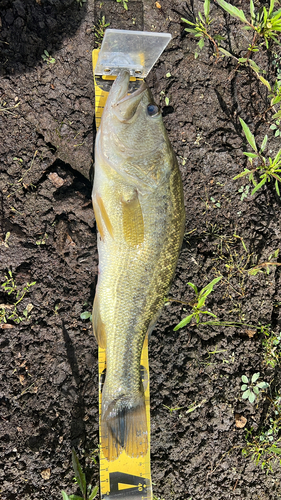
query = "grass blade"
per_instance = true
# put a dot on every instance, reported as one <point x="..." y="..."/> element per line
<point x="64" y="495"/>
<point x="79" y="474"/>
<point x="94" y="493"/>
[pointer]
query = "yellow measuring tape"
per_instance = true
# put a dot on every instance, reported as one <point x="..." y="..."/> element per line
<point x="126" y="477"/>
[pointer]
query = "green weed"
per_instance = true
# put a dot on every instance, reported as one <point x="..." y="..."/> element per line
<point x="99" y="30"/>
<point x="7" y="109"/>
<point x="81" y="2"/>
<point x="124" y="3"/>
<point x="200" y="29"/>
<point x="5" y="241"/>
<point x="267" y="169"/>
<point x="171" y="410"/>
<point x="86" y="315"/>
<point x="265" y="266"/>
<point x="199" y="303"/>
<point x="10" y="311"/>
<point x="47" y="58"/>
<point x="264" y="446"/>
<point x="266" y="24"/>
<point x="272" y="348"/>
<point x="88" y="492"/>
<point x="250" y="389"/>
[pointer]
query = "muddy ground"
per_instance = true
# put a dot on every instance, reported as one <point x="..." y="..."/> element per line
<point x="49" y="377"/>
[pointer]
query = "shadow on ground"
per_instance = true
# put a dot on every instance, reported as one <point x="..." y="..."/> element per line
<point x="28" y="27"/>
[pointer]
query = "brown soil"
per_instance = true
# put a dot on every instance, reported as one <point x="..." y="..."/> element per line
<point x="49" y="377"/>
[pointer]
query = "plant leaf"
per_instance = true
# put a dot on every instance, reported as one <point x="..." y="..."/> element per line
<point x="251" y="155"/>
<point x="94" y="493"/>
<point x="209" y="288"/>
<point x="264" y="81"/>
<point x="255" y="377"/>
<point x="252" y="10"/>
<point x="245" y="379"/>
<point x="188" y="22"/>
<point x="249" y="136"/>
<point x="201" y="43"/>
<point x="263" y="385"/>
<point x="201" y="302"/>
<point x="264" y="142"/>
<point x="183" y="322"/>
<point x="242" y="174"/>
<point x="254" y="66"/>
<point x="206" y="8"/>
<point x="274" y="449"/>
<point x="79" y="474"/>
<point x="244" y="387"/>
<point x="271" y="7"/>
<point x="209" y="313"/>
<point x="251" y="397"/>
<point x="85" y="315"/>
<point x="226" y="53"/>
<point x="246" y="394"/>
<point x="258" y="186"/>
<point x="233" y="11"/>
<point x="64" y="495"/>
<point x="194" y="287"/>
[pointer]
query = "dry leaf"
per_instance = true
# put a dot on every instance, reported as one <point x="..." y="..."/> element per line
<point x="251" y="333"/>
<point x="22" y="379"/>
<point x="4" y="326"/>
<point x="56" y="179"/>
<point x="70" y="241"/>
<point x="46" y="474"/>
<point x="240" y="421"/>
<point x="158" y="5"/>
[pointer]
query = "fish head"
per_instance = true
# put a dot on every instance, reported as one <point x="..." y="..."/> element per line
<point x="133" y="134"/>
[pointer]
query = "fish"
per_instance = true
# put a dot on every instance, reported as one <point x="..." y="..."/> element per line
<point x="139" y="210"/>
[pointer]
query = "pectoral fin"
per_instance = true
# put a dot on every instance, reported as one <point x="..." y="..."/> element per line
<point x="133" y="226"/>
<point x="104" y="215"/>
<point x="98" y="218"/>
<point x="98" y="325"/>
<point x="101" y="215"/>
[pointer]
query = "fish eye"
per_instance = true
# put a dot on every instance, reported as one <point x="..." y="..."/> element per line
<point x="152" y="110"/>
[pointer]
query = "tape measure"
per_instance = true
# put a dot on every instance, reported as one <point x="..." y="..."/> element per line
<point x="126" y="477"/>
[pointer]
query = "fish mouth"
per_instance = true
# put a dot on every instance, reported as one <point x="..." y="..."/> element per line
<point x="125" y="105"/>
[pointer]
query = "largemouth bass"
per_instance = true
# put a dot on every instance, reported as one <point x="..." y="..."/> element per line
<point x="139" y="210"/>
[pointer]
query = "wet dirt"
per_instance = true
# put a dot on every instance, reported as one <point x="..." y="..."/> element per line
<point x="49" y="376"/>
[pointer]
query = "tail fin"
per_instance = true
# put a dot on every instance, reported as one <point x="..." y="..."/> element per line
<point x="124" y="427"/>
